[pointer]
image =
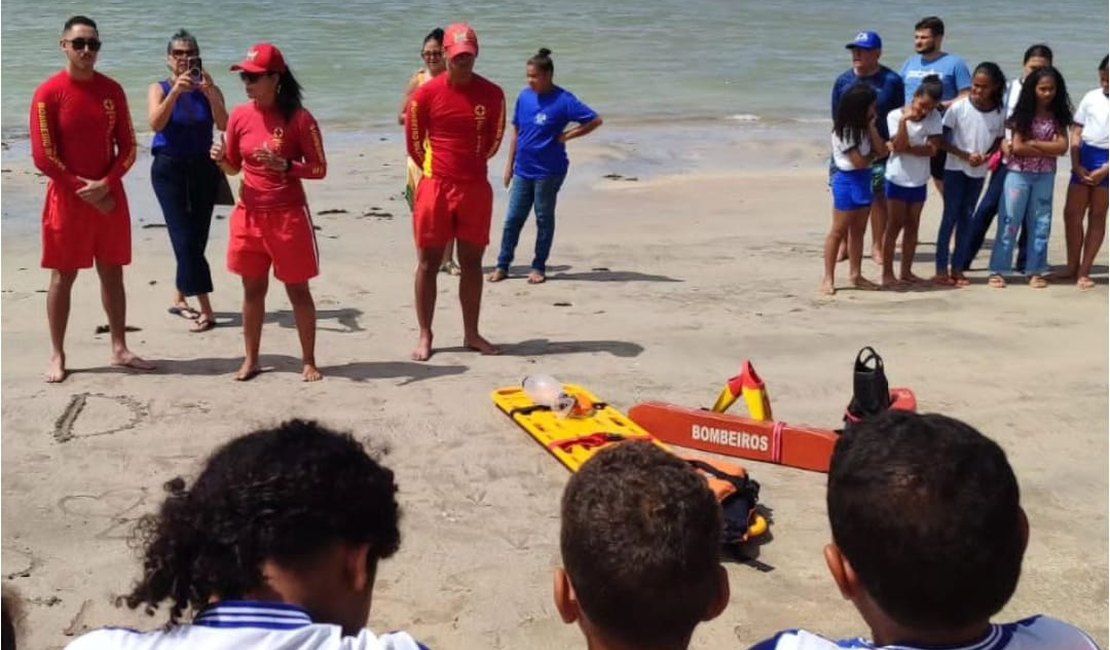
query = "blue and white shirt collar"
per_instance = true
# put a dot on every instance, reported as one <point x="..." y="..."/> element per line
<point x="246" y="613"/>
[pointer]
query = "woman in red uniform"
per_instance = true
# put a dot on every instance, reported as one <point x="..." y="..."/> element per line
<point x="276" y="143"/>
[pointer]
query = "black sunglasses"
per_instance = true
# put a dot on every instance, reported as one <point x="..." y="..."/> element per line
<point x="432" y="54"/>
<point x="79" y="44"/>
<point x="251" y="77"/>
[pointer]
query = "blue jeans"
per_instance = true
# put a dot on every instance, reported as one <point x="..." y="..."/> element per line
<point x="1027" y="200"/>
<point x="961" y="192"/>
<point x="523" y="195"/>
<point x="984" y="216"/>
<point x="186" y="190"/>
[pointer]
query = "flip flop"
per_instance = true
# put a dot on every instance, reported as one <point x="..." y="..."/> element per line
<point x="203" y="324"/>
<point x="186" y="312"/>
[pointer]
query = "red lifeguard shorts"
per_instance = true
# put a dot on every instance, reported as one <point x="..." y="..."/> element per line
<point x="283" y="237"/>
<point x="448" y="209"/>
<point x="75" y="234"/>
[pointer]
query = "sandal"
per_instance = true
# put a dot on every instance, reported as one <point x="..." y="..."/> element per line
<point x="996" y="282"/>
<point x="1038" y="282"/>
<point x="185" y="311"/>
<point x="1084" y="283"/>
<point x="203" y="324"/>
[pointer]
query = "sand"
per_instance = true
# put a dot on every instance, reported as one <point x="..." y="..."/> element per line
<point x="659" y="288"/>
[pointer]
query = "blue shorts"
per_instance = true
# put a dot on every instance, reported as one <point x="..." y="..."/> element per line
<point x="907" y="194"/>
<point x="852" y="190"/>
<point x="1092" y="158"/>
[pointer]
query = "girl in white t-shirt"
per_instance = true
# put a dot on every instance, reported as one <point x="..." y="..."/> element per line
<point x="1087" y="193"/>
<point x="856" y="143"/>
<point x="915" y="134"/>
<point x="973" y="130"/>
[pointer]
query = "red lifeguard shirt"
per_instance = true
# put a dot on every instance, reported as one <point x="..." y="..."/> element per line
<point x="250" y="128"/>
<point x="463" y="125"/>
<point x="81" y="128"/>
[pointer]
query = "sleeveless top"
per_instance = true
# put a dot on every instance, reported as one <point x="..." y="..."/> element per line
<point x="188" y="134"/>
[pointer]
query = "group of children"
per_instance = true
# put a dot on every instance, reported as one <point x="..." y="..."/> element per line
<point x="1017" y="131"/>
<point x="277" y="542"/>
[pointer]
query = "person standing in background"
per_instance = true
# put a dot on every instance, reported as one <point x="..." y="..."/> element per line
<point x="83" y="140"/>
<point x="538" y="161"/>
<point x="867" y="49"/>
<point x="453" y="126"/>
<point x="929" y="59"/>
<point x="276" y="143"/>
<point x="434" y="65"/>
<point x="1087" y="192"/>
<point x="182" y="111"/>
<point x="1036" y="57"/>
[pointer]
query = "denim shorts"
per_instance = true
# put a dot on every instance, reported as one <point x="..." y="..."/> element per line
<point x="851" y="190"/>
<point x="907" y="194"/>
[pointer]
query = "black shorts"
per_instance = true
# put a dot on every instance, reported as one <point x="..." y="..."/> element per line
<point x="936" y="165"/>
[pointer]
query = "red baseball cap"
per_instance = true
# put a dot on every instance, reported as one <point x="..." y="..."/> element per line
<point x="262" y="58"/>
<point x="460" y="39"/>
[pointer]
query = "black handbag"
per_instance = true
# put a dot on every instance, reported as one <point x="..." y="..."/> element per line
<point x="224" y="195"/>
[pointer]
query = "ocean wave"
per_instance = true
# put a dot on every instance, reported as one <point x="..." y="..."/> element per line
<point x="745" y="117"/>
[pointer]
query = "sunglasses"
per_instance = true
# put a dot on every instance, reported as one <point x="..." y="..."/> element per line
<point x="180" y="54"/>
<point x="79" y="44"/>
<point x="251" y="77"/>
<point x="432" y="54"/>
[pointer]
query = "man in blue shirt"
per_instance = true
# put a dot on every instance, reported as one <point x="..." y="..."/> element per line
<point x="867" y="48"/>
<point x="930" y="59"/>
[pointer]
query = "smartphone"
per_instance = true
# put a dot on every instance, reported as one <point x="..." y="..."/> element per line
<point x="196" y="68"/>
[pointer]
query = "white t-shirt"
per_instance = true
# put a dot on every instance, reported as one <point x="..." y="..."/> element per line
<point x="1013" y="91"/>
<point x="1094" y="114"/>
<point x="840" y="149"/>
<point x="1037" y="633"/>
<point x="239" y="625"/>
<point x="906" y="169"/>
<point x="973" y="131"/>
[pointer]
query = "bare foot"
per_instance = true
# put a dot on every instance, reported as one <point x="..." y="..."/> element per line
<point x="910" y="278"/>
<point x="961" y="280"/>
<point x="996" y="282"/>
<point x="423" y="350"/>
<point x="1038" y="282"/>
<point x="56" y="372"/>
<point x="827" y="288"/>
<point x="481" y="345"/>
<point x="864" y="284"/>
<point x="536" y="277"/>
<point x="497" y="275"/>
<point x="128" y="359"/>
<point x="311" y="373"/>
<point x="1084" y="283"/>
<point x="889" y="282"/>
<point x="248" y="371"/>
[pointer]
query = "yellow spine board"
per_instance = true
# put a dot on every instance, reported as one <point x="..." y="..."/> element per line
<point x="557" y="434"/>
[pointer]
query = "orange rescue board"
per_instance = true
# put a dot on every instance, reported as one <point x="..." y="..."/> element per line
<point x="732" y="435"/>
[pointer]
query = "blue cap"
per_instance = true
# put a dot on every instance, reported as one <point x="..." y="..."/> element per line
<point x="866" y="41"/>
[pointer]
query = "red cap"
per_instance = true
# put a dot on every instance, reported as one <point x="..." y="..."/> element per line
<point x="460" y="39"/>
<point x="262" y="58"/>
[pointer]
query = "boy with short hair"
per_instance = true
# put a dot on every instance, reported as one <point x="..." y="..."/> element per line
<point x="928" y="538"/>
<point x="640" y="541"/>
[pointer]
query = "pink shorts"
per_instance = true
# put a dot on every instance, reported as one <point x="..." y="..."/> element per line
<point x="75" y="234"/>
<point x="283" y="237"/>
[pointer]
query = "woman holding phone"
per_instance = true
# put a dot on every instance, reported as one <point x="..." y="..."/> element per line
<point x="183" y="108"/>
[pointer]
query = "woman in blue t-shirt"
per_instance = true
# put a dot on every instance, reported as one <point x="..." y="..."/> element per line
<point x="182" y="111"/>
<point x="538" y="161"/>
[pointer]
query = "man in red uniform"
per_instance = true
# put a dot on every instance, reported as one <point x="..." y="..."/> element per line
<point x="462" y="117"/>
<point x="82" y="139"/>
